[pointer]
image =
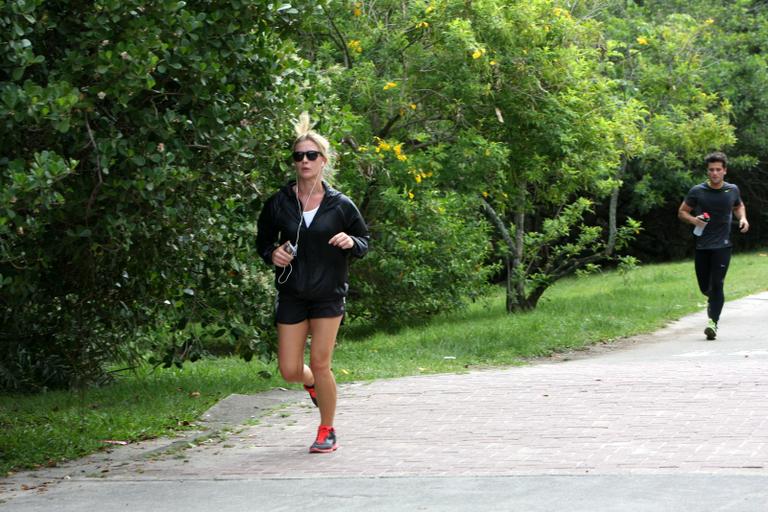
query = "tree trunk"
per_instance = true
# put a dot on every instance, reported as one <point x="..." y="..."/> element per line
<point x="516" y="299"/>
<point x="613" y="207"/>
<point x="511" y="300"/>
<point x="519" y="301"/>
<point x="517" y="261"/>
<point x="511" y="258"/>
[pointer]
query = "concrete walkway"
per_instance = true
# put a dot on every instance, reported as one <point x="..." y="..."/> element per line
<point x="663" y="422"/>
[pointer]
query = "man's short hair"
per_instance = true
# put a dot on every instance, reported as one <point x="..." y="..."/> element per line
<point x="717" y="156"/>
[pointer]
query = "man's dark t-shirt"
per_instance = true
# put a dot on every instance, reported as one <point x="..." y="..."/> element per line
<point x="719" y="204"/>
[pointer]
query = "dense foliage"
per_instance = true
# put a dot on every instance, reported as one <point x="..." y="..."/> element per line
<point x="131" y="136"/>
<point x="519" y="139"/>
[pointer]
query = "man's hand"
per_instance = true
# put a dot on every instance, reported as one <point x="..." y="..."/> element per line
<point x="743" y="225"/>
<point x="699" y="221"/>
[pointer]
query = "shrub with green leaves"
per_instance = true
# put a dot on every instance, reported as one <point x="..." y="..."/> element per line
<point x="138" y="141"/>
<point x="429" y="257"/>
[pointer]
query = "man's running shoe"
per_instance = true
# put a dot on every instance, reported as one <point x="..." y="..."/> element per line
<point x="312" y="393"/>
<point x="711" y="330"/>
<point x="326" y="440"/>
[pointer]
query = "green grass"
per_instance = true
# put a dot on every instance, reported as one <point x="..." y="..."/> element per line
<point x="46" y="428"/>
<point x="573" y="313"/>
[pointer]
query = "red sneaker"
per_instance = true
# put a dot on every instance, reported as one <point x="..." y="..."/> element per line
<point x="312" y="393"/>
<point x="326" y="440"/>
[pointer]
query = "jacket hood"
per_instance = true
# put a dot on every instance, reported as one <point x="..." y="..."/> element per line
<point x="329" y="190"/>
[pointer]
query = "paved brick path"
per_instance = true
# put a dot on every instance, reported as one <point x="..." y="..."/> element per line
<point x="674" y="403"/>
<point x="665" y="404"/>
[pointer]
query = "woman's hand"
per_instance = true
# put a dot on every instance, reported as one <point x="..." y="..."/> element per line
<point x="342" y="241"/>
<point x="281" y="257"/>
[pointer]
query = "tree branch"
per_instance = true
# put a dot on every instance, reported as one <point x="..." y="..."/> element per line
<point x="388" y="127"/>
<point x="498" y="223"/>
<point x="340" y="42"/>
<point x="99" y="173"/>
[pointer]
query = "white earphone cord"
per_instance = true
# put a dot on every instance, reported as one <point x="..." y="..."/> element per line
<point x="280" y="279"/>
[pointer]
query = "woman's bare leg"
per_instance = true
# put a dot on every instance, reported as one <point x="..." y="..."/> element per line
<point x="324" y="331"/>
<point x="291" y="342"/>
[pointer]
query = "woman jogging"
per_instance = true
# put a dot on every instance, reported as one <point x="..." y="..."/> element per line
<point x="309" y="231"/>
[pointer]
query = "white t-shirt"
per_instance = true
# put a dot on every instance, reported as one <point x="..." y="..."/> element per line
<point x="309" y="216"/>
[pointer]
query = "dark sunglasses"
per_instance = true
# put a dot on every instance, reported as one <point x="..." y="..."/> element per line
<point x="298" y="156"/>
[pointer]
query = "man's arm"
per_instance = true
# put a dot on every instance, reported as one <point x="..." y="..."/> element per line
<point x="740" y="211"/>
<point x="684" y="214"/>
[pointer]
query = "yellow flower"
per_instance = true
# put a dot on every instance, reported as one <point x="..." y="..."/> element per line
<point x="362" y="149"/>
<point x="399" y="153"/>
<point x="355" y="46"/>
<point x="493" y="63"/>
<point x="417" y="178"/>
<point x="478" y="53"/>
<point x="357" y="11"/>
<point x="422" y="24"/>
<point x="413" y="106"/>
<point x="410" y="195"/>
<point x="642" y="40"/>
<point x="390" y="85"/>
<point x="485" y="194"/>
<point x="709" y="21"/>
<point x="429" y="9"/>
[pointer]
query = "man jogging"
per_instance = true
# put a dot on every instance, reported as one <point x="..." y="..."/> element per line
<point x="710" y="207"/>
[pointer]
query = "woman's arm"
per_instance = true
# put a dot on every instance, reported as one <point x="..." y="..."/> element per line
<point x="266" y="232"/>
<point x="355" y="231"/>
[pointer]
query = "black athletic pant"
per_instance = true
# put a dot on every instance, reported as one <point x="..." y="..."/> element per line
<point x="711" y="267"/>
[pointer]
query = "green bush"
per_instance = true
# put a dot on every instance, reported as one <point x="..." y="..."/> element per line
<point x="429" y="257"/>
<point x="138" y="140"/>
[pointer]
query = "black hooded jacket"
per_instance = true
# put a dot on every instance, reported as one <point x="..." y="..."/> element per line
<point x="320" y="271"/>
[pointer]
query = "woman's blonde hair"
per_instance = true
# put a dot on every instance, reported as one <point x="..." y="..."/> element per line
<point x="303" y="129"/>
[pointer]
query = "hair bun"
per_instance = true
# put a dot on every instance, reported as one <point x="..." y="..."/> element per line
<point x="302" y="126"/>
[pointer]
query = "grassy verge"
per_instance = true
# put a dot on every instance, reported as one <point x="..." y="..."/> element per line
<point x="46" y="428"/>
<point x="573" y="313"/>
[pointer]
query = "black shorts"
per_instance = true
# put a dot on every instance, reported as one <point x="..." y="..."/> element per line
<point x="293" y="310"/>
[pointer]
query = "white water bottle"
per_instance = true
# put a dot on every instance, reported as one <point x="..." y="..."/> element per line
<point x="698" y="230"/>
